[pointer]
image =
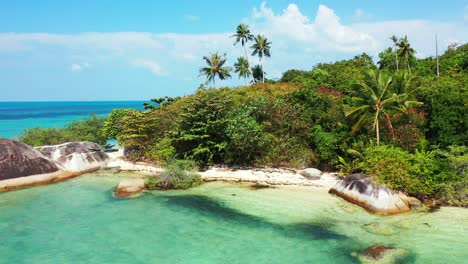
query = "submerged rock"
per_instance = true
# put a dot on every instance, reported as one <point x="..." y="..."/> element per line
<point x="358" y="189"/>
<point x="259" y="186"/>
<point x="18" y="160"/>
<point x="380" y="229"/>
<point x="311" y="173"/>
<point x="129" y="187"/>
<point x="382" y="254"/>
<point x="76" y="156"/>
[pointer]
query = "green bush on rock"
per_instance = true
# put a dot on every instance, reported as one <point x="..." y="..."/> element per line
<point x="178" y="174"/>
<point x="422" y="174"/>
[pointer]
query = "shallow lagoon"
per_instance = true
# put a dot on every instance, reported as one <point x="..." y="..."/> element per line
<point x="79" y="221"/>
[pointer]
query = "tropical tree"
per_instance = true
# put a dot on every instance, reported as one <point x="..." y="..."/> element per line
<point x="243" y="36"/>
<point x="405" y="51"/>
<point x="241" y="67"/>
<point x="395" y="44"/>
<point x="258" y="73"/>
<point x="373" y="99"/>
<point x="261" y="47"/>
<point x="215" y="68"/>
<point x="403" y="87"/>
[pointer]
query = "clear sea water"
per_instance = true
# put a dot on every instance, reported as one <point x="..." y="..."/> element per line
<point x="17" y="116"/>
<point x="79" y="221"/>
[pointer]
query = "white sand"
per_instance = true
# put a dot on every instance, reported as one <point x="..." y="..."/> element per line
<point x="271" y="176"/>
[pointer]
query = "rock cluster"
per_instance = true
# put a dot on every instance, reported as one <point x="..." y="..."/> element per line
<point x="23" y="166"/>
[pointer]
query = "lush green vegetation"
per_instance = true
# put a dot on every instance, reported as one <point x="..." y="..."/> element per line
<point x="400" y="123"/>
<point x="395" y="119"/>
<point x="178" y="174"/>
<point x="88" y="129"/>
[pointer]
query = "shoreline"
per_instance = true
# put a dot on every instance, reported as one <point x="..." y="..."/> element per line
<point x="263" y="175"/>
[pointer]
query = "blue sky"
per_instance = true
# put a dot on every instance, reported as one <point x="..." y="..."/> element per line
<point x="134" y="50"/>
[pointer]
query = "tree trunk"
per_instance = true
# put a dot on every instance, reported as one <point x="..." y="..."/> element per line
<point x="263" y="72"/>
<point x="248" y="64"/>
<point x="377" y="132"/>
<point x="409" y="68"/>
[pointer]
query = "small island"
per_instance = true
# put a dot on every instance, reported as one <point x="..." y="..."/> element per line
<point x="361" y="160"/>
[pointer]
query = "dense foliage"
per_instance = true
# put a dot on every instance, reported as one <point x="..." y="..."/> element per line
<point x="88" y="129"/>
<point x="178" y="174"/>
<point x="402" y="127"/>
<point x="396" y="120"/>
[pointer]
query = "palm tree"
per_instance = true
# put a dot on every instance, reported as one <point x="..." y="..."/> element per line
<point x="215" y="68"/>
<point x="395" y="44"/>
<point x="241" y="67"/>
<point x="403" y="87"/>
<point x="372" y="103"/>
<point x="405" y="51"/>
<point x="258" y="73"/>
<point x="261" y="48"/>
<point x="243" y="36"/>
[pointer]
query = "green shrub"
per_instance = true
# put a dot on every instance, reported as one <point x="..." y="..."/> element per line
<point x="163" y="151"/>
<point x="246" y="136"/>
<point x="421" y="174"/>
<point x="287" y="152"/>
<point x="87" y="129"/>
<point x="113" y="124"/>
<point x="327" y="144"/>
<point x="179" y="174"/>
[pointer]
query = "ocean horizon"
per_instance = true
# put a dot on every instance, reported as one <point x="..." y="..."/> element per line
<point x="18" y="116"/>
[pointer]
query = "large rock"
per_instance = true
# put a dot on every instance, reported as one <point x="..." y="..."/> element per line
<point x="311" y="173"/>
<point x="359" y="189"/>
<point x="129" y="187"/>
<point x="19" y="160"/>
<point x="76" y="156"/>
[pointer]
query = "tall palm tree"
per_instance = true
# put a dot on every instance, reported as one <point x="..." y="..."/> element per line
<point x="215" y="68"/>
<point x="395" y="44"/>
<point x="405" y="51"/>
<point x="243" y="36"/>
<point x="241" y="67"/>
<point x="261" y="47"/>
<point x="373" y="101"/>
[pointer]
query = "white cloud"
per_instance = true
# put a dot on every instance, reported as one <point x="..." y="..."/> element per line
<point x="78" y="67"/>
<point x="324" y="32"/>
<point x="298" y="41"/>
<point x="149" y="65"/>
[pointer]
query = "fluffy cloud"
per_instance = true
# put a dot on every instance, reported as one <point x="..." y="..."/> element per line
<point x="323" y="33"/>
<point x="149" y="65"/>
<point x="299" y="41"/>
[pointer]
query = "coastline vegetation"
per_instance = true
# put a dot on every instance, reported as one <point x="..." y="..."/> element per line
<point x="178" y="174"/>
<point x="87" y="129"/>
<point x="395" y="119"/>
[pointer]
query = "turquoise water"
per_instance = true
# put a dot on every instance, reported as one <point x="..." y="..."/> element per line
<point x="79" y="221"/>
<point x="17" y="116"/>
